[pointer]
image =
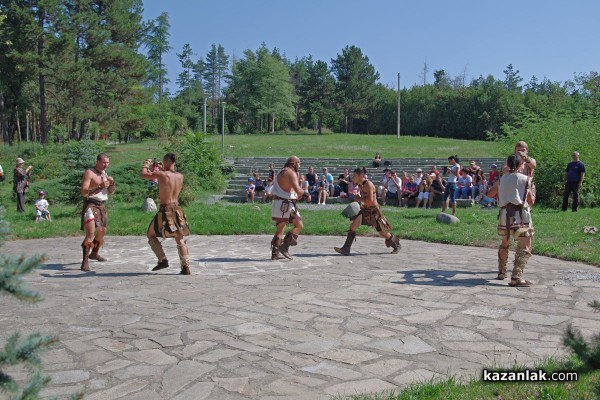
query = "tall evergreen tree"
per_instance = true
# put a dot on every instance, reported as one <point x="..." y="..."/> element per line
<point x="157" y="43"/>
<point x="512" y="79"/>
<point x="356" y="79"/>
<point x="317" y="92"/>
<point x="216" y="65"/>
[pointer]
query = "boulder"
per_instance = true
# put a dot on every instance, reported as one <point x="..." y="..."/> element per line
<point x="149" y="205"/>
<point x="446" y="218"/>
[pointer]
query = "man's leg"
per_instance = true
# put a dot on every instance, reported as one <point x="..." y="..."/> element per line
<point x="184" y="256"/>
<point x="391" y="240"/>
<point x="291" y="239"/>
<point x="157" y="248"/>
<point x="575" y="204"/>
<point x="276" y="241"/>
<point x="522" y="255"/>
<point x="503" y="256"/>
<point x="350" y="237"/>
<point x="97" y="244"/>
<point x="87" y="244"/>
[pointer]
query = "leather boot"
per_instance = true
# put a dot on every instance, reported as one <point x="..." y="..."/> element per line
<point x="86" y="246"/>
<point x="345" y="249"/>
<point x="160" y="254"/>
<point x="502" y="261"/>
<point x="184" y="258"/>
<point x="521" y="257"/>
<point x="288" y="240"/>
<point x="393" y="242"/>
<point x="275" y="245"/>
<point x="97" y="245"/>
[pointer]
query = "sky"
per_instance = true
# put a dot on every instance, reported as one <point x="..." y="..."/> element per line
<point x="550" y="38"/>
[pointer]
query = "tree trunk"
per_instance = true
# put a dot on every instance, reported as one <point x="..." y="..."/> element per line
<point x="319" y="126"/>
<point x="83" y="129"/>
<point x="273" y="124"/>
<point x="3" y="119"/>
<point x="42" y="78"/>
<point x="17" y="122"/>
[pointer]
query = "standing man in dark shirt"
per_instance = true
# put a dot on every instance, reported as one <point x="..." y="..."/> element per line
<point x="574" y="174"/>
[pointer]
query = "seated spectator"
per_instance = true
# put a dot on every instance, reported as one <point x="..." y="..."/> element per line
<point x="272" y="171"/>
<point x="424" y="191"/>
<point x="404" y="179"/>
<point x="311" y="178"/>
<point x="434" y="170"/>
<point x="323" y="190"/>
<point x="268" y="196"/>
<point x="393" y="187"/>
<point x="474" y="169"/>
<point x="382" y="187"/>
<point x="464" y="184"/>
<point x="376" y="161"/>
<point x="249" y="190"/>
<point x="258" y="184"/>
<point x="410" y="192"/>
<point x="41" y="207"/>
<point x="329" y="179"/>
<point x="486" y="201"/>
<point x="479" y="185"/>
<point x="494" y="175"/>
<point x="342" y="183"/>
<point x="418" y="176"/>
<point x="437" y="187"/>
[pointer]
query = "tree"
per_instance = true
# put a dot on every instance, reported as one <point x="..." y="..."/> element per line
<point x="317" y="92"/>
<point x="441" y="79"/>
<point x="216" y="65"/>
<point x="157" y="43"/>
<point x="18" y="350"/>
<point x="512" y="79"/>
<point x="356" y="79"/>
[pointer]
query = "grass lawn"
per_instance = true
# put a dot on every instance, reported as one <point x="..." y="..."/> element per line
<point x="352" y="146"/>
<point x="558" y="234"/>
<point x="585" y="388"/>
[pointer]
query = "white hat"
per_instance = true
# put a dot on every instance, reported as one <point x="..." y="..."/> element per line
<point x="20" y="161"/>
<point x="419" y="170"/>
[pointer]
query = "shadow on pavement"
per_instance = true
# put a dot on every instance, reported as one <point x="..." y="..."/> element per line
<point x="441" y="278"/>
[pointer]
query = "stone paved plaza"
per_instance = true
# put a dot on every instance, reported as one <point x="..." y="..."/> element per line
<point x="245" y="327"/>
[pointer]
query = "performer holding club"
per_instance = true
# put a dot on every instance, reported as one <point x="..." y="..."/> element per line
<point x="369" y="214"/>
<point x="286" y="192"/>
<point x="170" y="220"/>
<point x="96" y="185"/>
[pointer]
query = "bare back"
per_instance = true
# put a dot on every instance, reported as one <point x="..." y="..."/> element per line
<point x="170" y="184"/>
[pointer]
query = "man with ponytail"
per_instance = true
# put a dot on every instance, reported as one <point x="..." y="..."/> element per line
<point x="370" y="214"/>
<point x="286" y="192"/>
<point x="514" y="220"/>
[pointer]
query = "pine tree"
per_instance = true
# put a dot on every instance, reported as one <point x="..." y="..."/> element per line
<point x="19" y="350"/>
<point x="157" y="43"/>
<point x="216" y="65"/>
<point x="588" y="353"/>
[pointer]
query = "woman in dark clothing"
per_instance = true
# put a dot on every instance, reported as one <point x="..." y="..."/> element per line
<point x="21" y="183"/>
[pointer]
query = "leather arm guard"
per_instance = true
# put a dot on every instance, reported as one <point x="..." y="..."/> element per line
<point x="148" y="163"/>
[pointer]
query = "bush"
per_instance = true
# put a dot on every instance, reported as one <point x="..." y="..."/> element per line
<point x="79" y="156"/>
<point x="199" y="161"/>
<point x="551" y="142"/>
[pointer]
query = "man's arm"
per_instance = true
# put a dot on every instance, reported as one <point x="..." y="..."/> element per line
<point x="146" y="172"/>
<point x="581" y="178"/>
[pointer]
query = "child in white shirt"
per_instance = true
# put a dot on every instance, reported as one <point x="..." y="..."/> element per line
<point x="41" y="207"/>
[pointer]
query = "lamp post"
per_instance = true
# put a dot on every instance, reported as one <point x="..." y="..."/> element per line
<point x="223" y="131"/>
<point x="204" y="115"/>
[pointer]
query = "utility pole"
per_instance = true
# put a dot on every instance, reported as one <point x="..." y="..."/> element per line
<point x="398" y="132"/>
<point x="204" y="114"/>
<point x="223" y="132"/>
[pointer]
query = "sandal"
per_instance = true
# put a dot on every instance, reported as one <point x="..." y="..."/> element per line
<point x="521" y="283"/>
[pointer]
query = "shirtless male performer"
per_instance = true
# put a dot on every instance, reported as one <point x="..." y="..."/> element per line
<point x="96" y="185"/>
<point x="170" y="221"/>
<point x="370" y="214"/>
<point x="286" y="192"/>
